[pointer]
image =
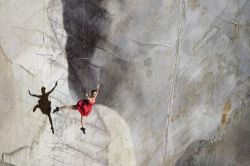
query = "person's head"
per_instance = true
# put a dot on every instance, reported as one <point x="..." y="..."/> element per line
<point x="43" y="90"/>
<point x="94" y="93"/>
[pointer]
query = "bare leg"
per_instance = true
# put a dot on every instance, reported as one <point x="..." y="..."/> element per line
<point x="83" y="121"/>
<point x="70" y="107"/>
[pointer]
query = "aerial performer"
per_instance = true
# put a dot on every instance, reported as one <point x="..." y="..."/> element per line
<point x="83" y="106"/>
<point x="44" y="104"/>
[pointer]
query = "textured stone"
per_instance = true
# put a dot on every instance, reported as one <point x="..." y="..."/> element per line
<point x="174" y="81"/>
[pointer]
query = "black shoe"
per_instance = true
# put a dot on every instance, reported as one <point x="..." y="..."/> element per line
<point x="83" y="130"/>
<point x="56" y="110"/>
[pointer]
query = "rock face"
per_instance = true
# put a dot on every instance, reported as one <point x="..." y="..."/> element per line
<point x="174" y="75"/>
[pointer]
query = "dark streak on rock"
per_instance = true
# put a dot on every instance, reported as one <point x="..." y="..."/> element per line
<point x="14" y="152"/>
<point x="84" y="21"/>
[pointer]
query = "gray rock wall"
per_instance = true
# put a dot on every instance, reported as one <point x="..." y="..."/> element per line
<point x="174" y="81"/>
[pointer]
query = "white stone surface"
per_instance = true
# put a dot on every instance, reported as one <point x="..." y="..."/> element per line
<point x="168" y="71"/>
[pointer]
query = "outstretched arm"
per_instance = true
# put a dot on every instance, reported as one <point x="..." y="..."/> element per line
<point x="87" y="96"/>
<point x="39" y="96"/>
<point x="52" y="88"/>
<point x="97" y="89"/>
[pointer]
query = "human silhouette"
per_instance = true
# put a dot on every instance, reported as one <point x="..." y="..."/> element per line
<point x="44" y="104"/>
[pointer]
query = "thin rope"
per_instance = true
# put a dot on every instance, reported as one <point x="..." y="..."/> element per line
<point x="41" y="45"/>
<point x="88" y="84"/>
<point x="43" y="21"/>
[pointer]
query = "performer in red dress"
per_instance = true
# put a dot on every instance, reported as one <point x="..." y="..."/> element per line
<point x="83" y="106"/>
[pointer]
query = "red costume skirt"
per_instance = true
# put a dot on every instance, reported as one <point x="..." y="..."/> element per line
<point x="84" y="107"/>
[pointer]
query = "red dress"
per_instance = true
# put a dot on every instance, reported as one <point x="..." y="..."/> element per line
<point x="84" y="107"/>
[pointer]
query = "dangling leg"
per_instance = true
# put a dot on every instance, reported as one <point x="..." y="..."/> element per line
<point x="51" y="124"/>
<point x="83" y="121"/>
<point x="70" y="107"/>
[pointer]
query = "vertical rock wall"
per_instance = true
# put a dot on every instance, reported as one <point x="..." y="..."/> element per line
<point x="174" y="81"/>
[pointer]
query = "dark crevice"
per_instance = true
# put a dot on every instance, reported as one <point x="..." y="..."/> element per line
<point x="84" y="21"/>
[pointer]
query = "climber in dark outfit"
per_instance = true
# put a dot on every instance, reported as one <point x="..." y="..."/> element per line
<point x="44" y="104"/>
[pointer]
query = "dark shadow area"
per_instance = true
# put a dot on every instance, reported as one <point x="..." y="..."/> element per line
<point x="44" y="104"/>
<point x="86" y="22"/>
